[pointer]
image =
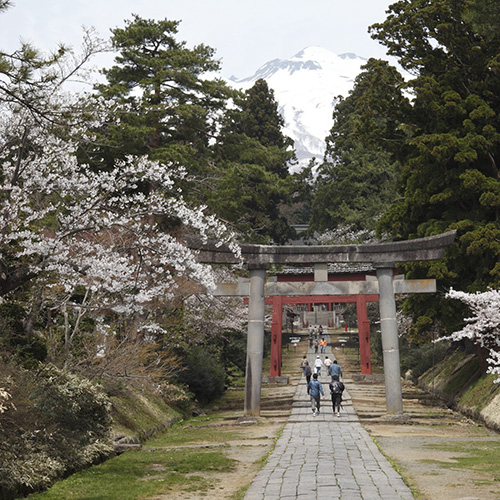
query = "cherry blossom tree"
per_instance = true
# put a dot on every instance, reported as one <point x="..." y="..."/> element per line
<point x="483" y="327"/>
<point x="4" y="397"/>
<point x="116" y="232"/>
<point x="94" y="229"/>
<point x="96" y="248"/>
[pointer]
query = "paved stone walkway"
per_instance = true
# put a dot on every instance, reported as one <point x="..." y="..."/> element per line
<point x="326" y="457"/>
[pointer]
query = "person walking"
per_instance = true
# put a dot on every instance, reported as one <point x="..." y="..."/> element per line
<point x="318" y="364"/>
<point x="322" y="344"/>
<point x="335" y="370"/>
<point x="336" y="390"/>
<point x="316" y="392"/>
<point x="308" y="374"/>
<point x="328" y="362"/>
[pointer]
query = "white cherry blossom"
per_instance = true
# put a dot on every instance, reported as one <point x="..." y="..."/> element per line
<point x="483" y="327"/>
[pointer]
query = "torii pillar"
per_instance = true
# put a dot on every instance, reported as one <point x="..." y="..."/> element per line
<point x="390" y="343"/>
<point x="255" y="342"/>
<point x="276" y="336"/>
<point x="363" y="335"/>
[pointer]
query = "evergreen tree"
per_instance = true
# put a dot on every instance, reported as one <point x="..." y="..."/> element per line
<point x="357" y="180"/>
<point x="168" y="108"/>
<point x="450" y="177"/>
<point x="259" y="119"/>
<point x="485" y="17"/>
<point x="251" y="183"/>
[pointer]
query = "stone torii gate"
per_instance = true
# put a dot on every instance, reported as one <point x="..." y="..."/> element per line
<point x="383" y="257"/>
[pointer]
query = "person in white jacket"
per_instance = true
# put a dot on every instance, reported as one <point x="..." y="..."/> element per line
<point x="318" y="364"/>
<point x="327" y="363"/>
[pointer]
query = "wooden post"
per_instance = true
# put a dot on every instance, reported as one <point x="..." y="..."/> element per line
<point x="276" y="337"/>
<point x="363" y="335"/>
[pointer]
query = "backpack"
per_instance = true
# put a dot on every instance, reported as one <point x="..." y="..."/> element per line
<point x="336" y="387"/>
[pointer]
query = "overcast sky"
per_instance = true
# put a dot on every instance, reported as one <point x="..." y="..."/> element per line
<point x="245" y="34"/>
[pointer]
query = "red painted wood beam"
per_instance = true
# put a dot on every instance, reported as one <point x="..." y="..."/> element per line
<point x="276" y="336"/>
<point x="277" y="301"/>
<point x="364" y="335"/>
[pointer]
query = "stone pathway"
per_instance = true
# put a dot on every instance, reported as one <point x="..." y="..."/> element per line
<point x="325" y="456"/>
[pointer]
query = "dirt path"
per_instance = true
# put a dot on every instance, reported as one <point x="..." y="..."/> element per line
<point x="426" y="446"/>
<point x="441" y="454"/>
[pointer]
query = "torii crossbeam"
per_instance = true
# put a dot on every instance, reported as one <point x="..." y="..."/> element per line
<point x="383" y="256"/>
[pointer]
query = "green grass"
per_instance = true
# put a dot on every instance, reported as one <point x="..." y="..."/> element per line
<point x="240" y="494"/>
<point x="134" y="413"/>
<point x="234" y="396"/>
<point x="137" y="475"/>
<point x="452" y="374"/>
<point x="158" y="467"/>
<point x="195" y="430"/>
<point x="480" y="456"/>
<point x="480" y="393"/>
<point x="460" y="378"/>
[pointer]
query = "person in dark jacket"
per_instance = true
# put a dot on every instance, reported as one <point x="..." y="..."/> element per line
<point x="307" y="373"/>
<point x="316" y="392"/>
<point x="336" y="390"/>
<point x="335" y="370"/>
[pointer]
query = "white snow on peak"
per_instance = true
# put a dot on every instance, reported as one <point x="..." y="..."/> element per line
<point x="306" y="87"/>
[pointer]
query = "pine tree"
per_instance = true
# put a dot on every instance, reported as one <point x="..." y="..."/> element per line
<point x="357" y="180"/>
<point x="251" y="182"/>
<point x="450" y="175"/>
<point x="168" y="107"/>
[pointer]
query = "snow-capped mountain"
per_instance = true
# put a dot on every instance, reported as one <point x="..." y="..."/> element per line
<point x="306" y="87"/>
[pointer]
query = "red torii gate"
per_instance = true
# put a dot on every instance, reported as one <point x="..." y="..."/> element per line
<point x="278" y="301"/>
<point x="360" y="300"/>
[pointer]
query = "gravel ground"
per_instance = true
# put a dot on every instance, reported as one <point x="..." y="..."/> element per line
<point x="423" y="445"/>
<point x="427" y="442"/>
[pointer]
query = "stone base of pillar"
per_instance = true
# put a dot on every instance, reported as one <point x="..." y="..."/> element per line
<point x="398" y="418"/>
<point x="368" y="377"/>
<point x="247" y="420"/>
<point x="279" y="380"/>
